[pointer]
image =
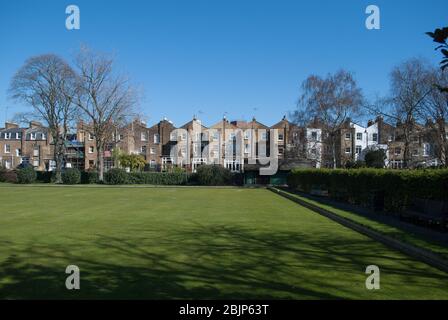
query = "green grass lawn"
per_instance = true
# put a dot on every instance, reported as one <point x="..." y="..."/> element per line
<point x="191" y="243"/>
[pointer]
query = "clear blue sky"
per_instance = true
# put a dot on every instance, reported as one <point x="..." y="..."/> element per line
<point x="243" y="57"/>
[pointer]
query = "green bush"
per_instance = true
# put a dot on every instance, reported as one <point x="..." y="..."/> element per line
<point x="116" y="176"/>
<point x="26" y="175"/>
<point x="71" y="176"/>
<point x="45" y="176"/>
<point x="394" y="188"/>
<point x="159" y="178"/>
<point x="8" y="175"/>
<point x="213" y="175"/>
<point x="89" y="177"/>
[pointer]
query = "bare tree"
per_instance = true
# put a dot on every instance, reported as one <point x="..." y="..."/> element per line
<point x="435" y="110"/>
<point x="332" y="100"/>
<point x="409" y="88"/>
<point x="46" y="83"/>
<point x="105" y="99"/>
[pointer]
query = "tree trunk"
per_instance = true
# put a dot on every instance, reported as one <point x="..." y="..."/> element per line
<point x="59" y="150"/>
<point x="100" y="162"/>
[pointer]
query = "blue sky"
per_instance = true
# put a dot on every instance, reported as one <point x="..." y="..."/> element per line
<point x="246" y="58"/>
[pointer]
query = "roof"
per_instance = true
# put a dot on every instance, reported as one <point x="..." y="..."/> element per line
<point x="223" y="123"/>
<point x="189" y="124"/>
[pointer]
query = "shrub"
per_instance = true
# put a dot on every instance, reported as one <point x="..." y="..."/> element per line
<point x="2" y="172"/>
<point x="116" y="176"/>
<point x="26" y="175"/>
<point x="71" y="176"/>
<point x="159" y="178"/>
<point x="394" y="188"/>
<point x="213" y="175"/>
<point x="89" y="177"/>
<point x="45" y="176"/>
<point x="375" y="158"/>
<point x="9" y="176"/>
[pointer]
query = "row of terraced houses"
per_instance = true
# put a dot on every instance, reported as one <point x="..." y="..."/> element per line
<point x="232" y="144"/>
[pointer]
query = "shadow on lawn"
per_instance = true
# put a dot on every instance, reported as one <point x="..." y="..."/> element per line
<point x="201" y="262"/>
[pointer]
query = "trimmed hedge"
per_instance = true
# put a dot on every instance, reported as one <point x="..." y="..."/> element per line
<point x="213" y="175"/>
<point x="26" y="175"/>
<point x="120" y="176"/>
<point x="89" y="177"/>
<point x="159" y="178"/>
<point x="116" y="176"/>
<point x="392" y="190"/>
<point x="45" y="176"/>
<point x="71" y="176"/>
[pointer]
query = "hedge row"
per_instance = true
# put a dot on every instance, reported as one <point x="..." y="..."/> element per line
<point x="119" y="176"/>
<point x="393" y="190"/>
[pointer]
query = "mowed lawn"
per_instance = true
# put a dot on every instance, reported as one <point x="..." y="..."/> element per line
<point x="205" y="243"/>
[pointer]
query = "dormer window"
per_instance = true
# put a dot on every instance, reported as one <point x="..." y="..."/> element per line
<point x="33" y="136"/>
<point x="44" y="136"/>
<point x="90" y="136"/>
<point x="7" y="135"/>
<point x="18" y="135"/>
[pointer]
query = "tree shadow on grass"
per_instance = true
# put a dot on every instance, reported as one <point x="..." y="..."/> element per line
<point x="205" y="262"/>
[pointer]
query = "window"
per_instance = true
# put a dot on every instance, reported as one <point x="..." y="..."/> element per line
<point x="44" y="137"/>
<point x="358" y="149"/>
<point x="173" y="136"/>
<point x="247" y="148"/>
<point x="348" y="136"/>
<point x="196" y="149"/>
<point x="314" y="135"/>
<point x="232" y="136"/>
<point x="264" y="136"/>
<point x="359" y="136"/>
<point x="7" y="148"/>
<point x="33" y="136"/>
<point x="152" y="150"/>
<point x="7" y="135"/>
<point x="91" y="149"/>
<point x="18" y="152"/>
<point x="280" y="137"/>
<point x="247" y="134"/>
<point x="18" y="135"/>
<point x="426" y="149"/>
<point x="8" y="164"/>
<point x="152" y="163"/>
<point x="90" y="136"/>
<point x="143" y="149"/>
<point x="156" y="138"/>
<point x="144" y="136"/>
<point x="348" y="150"/>
<point x="120" y="137"/>
<point x="375" y="137"/>
<point x="216" y="135"/>
<point x="415" y="152"/>
<point x="184" y="136"/>
<point x="397" y="151"/>
<point x="35" y="163"/>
